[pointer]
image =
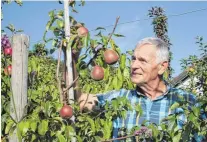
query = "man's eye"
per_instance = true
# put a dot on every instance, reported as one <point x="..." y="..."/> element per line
<point x="142" y="60"/>
<point x="133" y="58"/>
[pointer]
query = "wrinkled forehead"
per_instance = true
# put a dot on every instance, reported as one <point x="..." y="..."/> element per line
<point x="145" y="49"/>
<point x="141" y="44"/>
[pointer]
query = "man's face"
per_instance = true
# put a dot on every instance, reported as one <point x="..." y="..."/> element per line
<point x="144" y="67"/>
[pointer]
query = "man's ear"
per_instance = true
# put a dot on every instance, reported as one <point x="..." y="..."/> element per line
<point x="163" y="67"/>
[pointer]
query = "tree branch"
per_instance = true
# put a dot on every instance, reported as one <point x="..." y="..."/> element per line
<point x="120" y="138"/>
<point x="117" y="19"/>
<point x="96" y="53"/>
<point x="57" y="73"/>
<point x="64" y="90"/>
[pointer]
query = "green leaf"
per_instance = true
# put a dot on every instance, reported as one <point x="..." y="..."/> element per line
<point x="19" y="2"/>
<point x="33" y="137"/>
<point x="100" y="28"/>
<point x="113" y="45"/>
<point x="49" y="39"/>
<point x="93" y="43"/>
<point x="93" y="128"/>
<point x="123" y="114"/>
<point x="192" y="117"/>
<point x="9" y="124"/>
<point x="72" y="38"/>
<point x="61" y="138"/>
<point x="85" y="40"/>
<point x="155" y="131"/>
<point x="60" y="23"/>
<point x="52" y="28"/>
<point x="107" y="129"/>
<point x="52" y="50"/>
<point x="186" y="133"/>
<point x="54" y="42"/>
<point x="43" y="127"/>
<point x="83" y="73"/>
<point x="49" y="23"/>
<point x="123" y="61"/>
<point x="196" y="111"/>
<point x="51" y="14"/>
<point x="108" y="84"/>
<point x="106" y="73"/>
<point x="177" y="137"/>
<point x="33" y="65"/>
<point x="23" y="127"/>
<point x="82" y="57"/>
<point x="44" y="35"/>
<point x="115" y="83"/>
<point x="130" y="52"/>
<point x="119" y="74"/>
<point x="72" y="20"/>
<point x="115" y="104"/>
<point x="175" y="105"/>
<point x="126" y="73"/>
<point x="60" y="13"/>
<point x="11" y="27"/>
<point x="56" y="32"/>
<point x="79" y="138"/>
<point x="100" y="61"/>
<point x="69" y="131"/>
<point x="99" y="34"/>
<point x="18" y="31"/>
<point x="104" y="40"/>
<point x="118" y="35"/>
<point x="138" y="108"/>
<point x="73" y="10"/>
<point x="82" y="2"/>
<point x="120" y="78"/>
<point x="33" y="126"/>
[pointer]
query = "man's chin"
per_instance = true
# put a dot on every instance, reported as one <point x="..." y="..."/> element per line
<point x="137" y="82"/>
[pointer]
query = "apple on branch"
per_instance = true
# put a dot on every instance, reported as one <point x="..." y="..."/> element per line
<point x="110" y="56"/>
<point x="97" y="73"/>
<point x="66" y="111"/>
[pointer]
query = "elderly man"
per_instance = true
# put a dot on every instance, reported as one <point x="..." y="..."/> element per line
<point x="155" y="96"/>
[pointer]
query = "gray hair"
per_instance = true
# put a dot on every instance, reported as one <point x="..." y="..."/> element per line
<point x="162" y="47"/>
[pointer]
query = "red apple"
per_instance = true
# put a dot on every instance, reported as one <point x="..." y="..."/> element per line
<point x="110" y="56"/>
<point x="8" y="51"/>
<point x="66" y="111"/>
<point x="8" y="70"/>
<point x="82" y="31"/>
<point x="97" y="73"/>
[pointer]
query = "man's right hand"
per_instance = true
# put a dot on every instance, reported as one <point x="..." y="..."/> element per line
<point x="87" y="101"/>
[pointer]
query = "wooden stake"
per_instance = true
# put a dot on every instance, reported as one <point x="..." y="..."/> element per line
<point x="20" y="44"/>
<point x="68" y="53"/>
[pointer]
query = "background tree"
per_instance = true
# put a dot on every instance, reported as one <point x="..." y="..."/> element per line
<point x="160" y="25"/>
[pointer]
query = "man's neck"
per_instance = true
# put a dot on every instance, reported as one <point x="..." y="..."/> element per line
<point x="154" y="89"/>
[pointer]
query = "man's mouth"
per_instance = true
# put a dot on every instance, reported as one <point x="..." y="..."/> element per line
<point x="135" y="74"/>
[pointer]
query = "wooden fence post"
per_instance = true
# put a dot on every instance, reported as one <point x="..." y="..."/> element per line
<point x="20" y="44"/>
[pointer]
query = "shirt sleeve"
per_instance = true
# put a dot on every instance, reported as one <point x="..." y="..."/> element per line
<point x="102" y="98"/>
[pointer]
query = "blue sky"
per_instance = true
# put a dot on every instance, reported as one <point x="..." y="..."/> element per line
<point x="182" y="30"/>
